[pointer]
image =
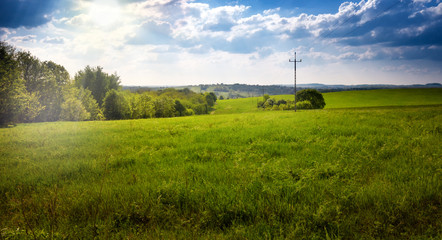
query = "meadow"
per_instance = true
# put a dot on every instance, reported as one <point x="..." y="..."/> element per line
<point x="344" y="172"/>
<point x="347" y="99"/>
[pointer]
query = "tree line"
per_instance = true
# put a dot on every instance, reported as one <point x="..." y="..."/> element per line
<point x="32" y="90"/>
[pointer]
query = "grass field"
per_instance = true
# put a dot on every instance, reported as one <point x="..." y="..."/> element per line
<point x="383" y="97"/>
<point x="358" y="173"/>
<point x="347" y="99"/>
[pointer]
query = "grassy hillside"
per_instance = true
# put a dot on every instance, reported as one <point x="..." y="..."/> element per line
<point x="329" y="174"/>
<point x="383" y="97"/>
<point x="347" y="99"/>
<point x="241" y="105"/>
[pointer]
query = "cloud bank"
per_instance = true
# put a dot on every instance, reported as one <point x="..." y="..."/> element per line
<point x="230" y="42"/>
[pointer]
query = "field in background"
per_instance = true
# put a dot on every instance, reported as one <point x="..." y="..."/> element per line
<point x="346" y="99"/>
<point x="383" y="97"/>
<point x="324" y="174"/>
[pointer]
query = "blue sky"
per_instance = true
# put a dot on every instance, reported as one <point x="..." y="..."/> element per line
<point x="183" y="42"/>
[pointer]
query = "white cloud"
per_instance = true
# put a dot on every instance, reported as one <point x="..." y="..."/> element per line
<point x="22" y="39"/>
<point x="421" y="1"/>
<point x="271" y="11"/>
<point x="53" y="40"/>
<point x="156" y="9"/>
<point x="5" y="32"/>
<point x="81" y="20"/>
<point x="151" y="32"/>
<point x="173" y="42"/>
<point x="433" y="11"/>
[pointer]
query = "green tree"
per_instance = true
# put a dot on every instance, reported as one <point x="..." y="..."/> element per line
<point x="200" y="109"/>
<point x="58" y="79"/>
<point x="79" y="105"/>
<point x="31" y="71"/>
<point x="8" y="74"/>
<point x="72" y="109"/>
<point x="46" y="80"/>
<point x="142" y="105"/>
<point x="164" y="107"/>
<point x="313" y="96"/>
<point x="90" y="104"/>
<point x="61" y="74"/>
<point x="210" y="99"/>
<point x="179" y="108"/>
<point x="199" y="104"/>
<point x="16" y="103"/>
<point x="28" y="106"/>
<point x="265" y="97"/>
<point x="116" y="105"/>
<point x="97" y="81"/>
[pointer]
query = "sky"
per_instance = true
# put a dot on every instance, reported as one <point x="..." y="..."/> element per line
<point x="190" y="42"/>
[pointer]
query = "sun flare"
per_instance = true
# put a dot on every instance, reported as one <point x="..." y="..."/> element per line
<point x="105" y="13"/>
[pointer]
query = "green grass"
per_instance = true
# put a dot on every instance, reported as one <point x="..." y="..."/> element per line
<point x="383" y="97"/>
<point x="347" y="99"/>
<point x="235" y="106"/>
<point x="359" y="173"/>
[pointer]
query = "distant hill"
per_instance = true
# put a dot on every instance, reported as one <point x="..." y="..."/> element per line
<point x="232" y="91"/>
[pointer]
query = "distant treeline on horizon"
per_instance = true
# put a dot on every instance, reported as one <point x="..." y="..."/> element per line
<point x="244" y="90"/>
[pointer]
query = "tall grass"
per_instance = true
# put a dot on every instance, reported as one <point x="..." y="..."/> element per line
<point x="339" y="174"/>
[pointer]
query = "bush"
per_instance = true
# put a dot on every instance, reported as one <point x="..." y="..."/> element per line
<point x="189" y="112"/>
<point x="269" y="103"/>
<point x="283" y="107"/>
<point x="313" y="96"/>
<point x="73" y="110"/>
<point x="304" y="105"/>
<point x="282" y="101"/>
<point x="266" y="96"/>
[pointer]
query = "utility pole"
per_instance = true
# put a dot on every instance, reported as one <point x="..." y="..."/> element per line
<point x="294" y="67"/>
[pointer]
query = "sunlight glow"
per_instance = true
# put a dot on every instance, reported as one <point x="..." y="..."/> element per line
<point x="105" y="13"/>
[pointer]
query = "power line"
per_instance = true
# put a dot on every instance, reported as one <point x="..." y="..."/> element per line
<point x="294" y="67"/>
<point x="335" y="27"/>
